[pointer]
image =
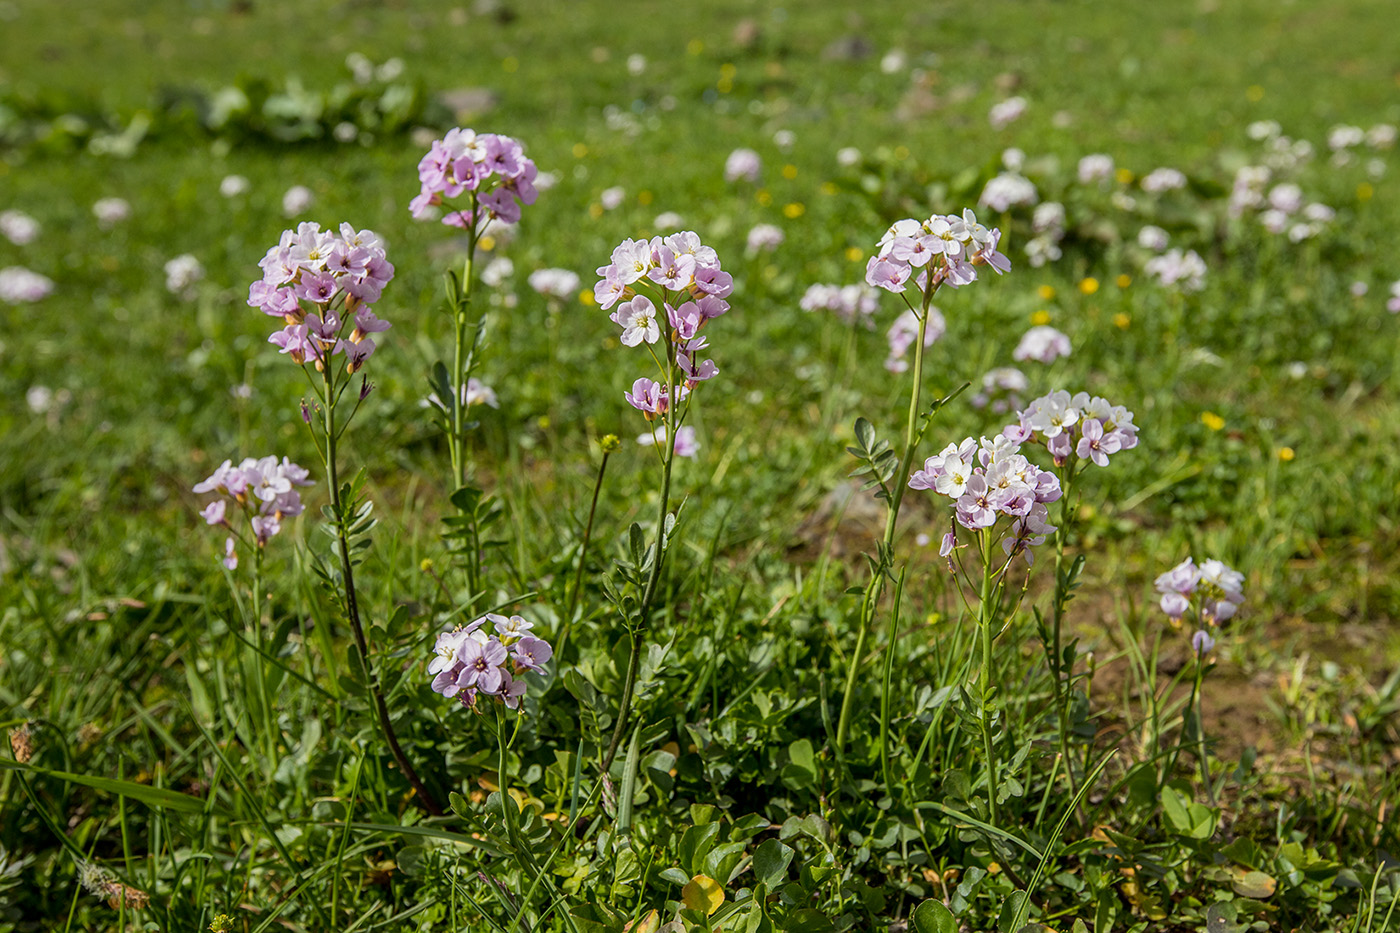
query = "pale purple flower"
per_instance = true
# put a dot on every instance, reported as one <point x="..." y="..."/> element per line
<point x="905" y="331"/>
<point x="1153" y="238"/>
<point x="1006" y="191"/>
<point x="18" y="227"/>
<point x="1185" y="271"/>
<point x="233" y="185"/>
<point x="18" y="285"/>
<point x="1006" y="112"/>
<point x="638" y="321"/>
<point x="612" y="198"/>
<point x="1041" y="343"/>
<point x="764" y="238"/>
<point x="492" y="168"/>
<point x="110" y="211"/>
<point x="1095" y="168"/>
<point x="297" y="200"/>
<point x="481" y="665"/>
<point x="554" y="283"/>
<point x="1163" y="179"/>
<point x="743" y="164"/>
<point x="182" y="274"/>
<point x="1202" y="643"/>
<point x="531" y="652"/>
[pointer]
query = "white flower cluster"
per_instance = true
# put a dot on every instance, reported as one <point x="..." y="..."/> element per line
<point x="905" y="331"/>
<point x="845" y="301"/>
<point x="555" y="283"/>
<point x="1006" y="191"/>
<point x="1185" y="271"/>
<point x="1076" y="426"/>
<point x="18" y="285"/>
<point x="988" y="479"/>
<point x="1001" y="390"/>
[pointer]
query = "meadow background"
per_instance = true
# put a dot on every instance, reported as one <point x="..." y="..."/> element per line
<point x="1267" y="408"/>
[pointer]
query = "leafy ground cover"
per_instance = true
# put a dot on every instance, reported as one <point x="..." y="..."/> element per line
<point x="182" y="760"/>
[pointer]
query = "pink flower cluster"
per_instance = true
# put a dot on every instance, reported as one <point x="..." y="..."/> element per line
<point x="469" y="663"/>
<point x="845" y="301"/>
<point x="905" y="331"/>
<point x="1185" y="271"/>
<point x="555" y="283"/>
<point x="19" y="285"/>
<point x="494" y="168"/>
<point x="945" y="249"/>
<point x="684" y="276"/>
<point x="990" y="479"/>
<point x="332" y="274"/>
<point x="1076" y="426"/>
<point x="1043" y="344"/>
<point x="265" y="489"/>
<point x="1216" y="589"/>
<point x="1001" y="390"/>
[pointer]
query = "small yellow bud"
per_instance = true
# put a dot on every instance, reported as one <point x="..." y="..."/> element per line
<point x="1046" y="292"/>
<point x="1088" y="285"/>
<point x="426" y="565"/>
<point x="1121" y="321"/>
<point x="1286" y="453"/>
<point x="794" y="210"/>
<point x="609" y="443"/>
<point x="1124" y="280"/>
<point x="1040" y="317"/>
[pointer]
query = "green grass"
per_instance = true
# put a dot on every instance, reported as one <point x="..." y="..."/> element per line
<point x="117" y="632"/>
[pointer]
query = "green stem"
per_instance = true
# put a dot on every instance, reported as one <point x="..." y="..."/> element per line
<point x="582" y="556"/>
<point x="268" y="721"/>
<point x="634" y="657"/>
<point x="352" y="608"/>
<point x="886" y="555"/>
<point x="1201" y="755"/>
<point x="1062" y="678"/>
<point x="986" y="618"/>
<point x="460" y="363"/>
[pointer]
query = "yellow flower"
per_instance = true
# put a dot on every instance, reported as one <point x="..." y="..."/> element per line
<point x="645" y="197"/>
<point x="794" y="210"/>
<point x="1211" y="420"/>
<point x="1124" y="176"/>
<point x="1088" y="285"/>
<point x="595" y="210"/>
<point x="1046" y="292"/>
<point x="487" y="242"/>
<point x="586" y="297"/>
<point x="764" y="197"/>
<point x="580" y="150"/>
<point x="1040" y="317"/>
<point x="789" y="171"/>
<point x="1255" y="93"/>
<point x="1121" y="321"/>
<point x="1286" y="454"/>
<point x="609" y="443"/>
<point x="854" y="254"/>
<point x="1364" y="191"/>
<point x="1124" y="280"/>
